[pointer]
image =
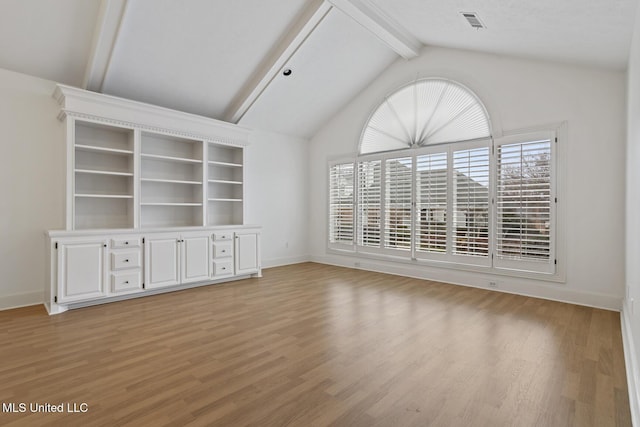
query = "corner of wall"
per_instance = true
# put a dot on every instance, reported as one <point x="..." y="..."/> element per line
<point x="631" y="364"/>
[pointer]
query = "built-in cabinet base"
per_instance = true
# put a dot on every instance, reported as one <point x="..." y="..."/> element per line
<point x="95" y="267"/>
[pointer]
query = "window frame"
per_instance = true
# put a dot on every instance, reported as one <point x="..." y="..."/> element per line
<point x="519" y="264"/>
<point x="339" y="246"/>
<point x="556" y="272"/>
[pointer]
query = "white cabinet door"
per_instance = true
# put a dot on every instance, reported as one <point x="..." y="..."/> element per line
<point x="81" y="270"/>
<point x="161" y="261"/>
<point x="194" y="251"/>
<point x="247" y="253"/>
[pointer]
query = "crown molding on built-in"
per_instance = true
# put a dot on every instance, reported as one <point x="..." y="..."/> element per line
<point x="122" y="112"/>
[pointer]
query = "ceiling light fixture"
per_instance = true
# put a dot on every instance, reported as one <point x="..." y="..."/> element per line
<point x="287" y="72"/>
<point x="473" y="20"/>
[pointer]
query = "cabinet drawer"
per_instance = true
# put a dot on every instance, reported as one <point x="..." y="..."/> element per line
<point x="222" y="249"/>
<point x="124" y="282"/>
<point x="222" y="235"/>
<point x="222" y="268"/>
<point x="125" y="242"/>
<point x="124" y="260"/>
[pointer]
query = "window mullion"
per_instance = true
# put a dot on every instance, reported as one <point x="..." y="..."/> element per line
<point x="414" y="211"/>
<point x="493" y="178"/>
<point x="450" y="196"/>
<point x="383" y="202"/>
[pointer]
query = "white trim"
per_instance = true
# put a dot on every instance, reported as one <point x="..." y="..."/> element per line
<point x="58" y="234"/>
<point x="122" y="112"/>
<point x="278" y="262"/>
<point x="25" y="299"/>
<point x="631" y="364"/>
<point x="514" y="285"/>
<point x="381" y="25"/>
<point x="438" y="260"/>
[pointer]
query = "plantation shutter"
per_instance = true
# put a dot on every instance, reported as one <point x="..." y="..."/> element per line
<point x="369" y="203"/>
<point x="524" y="204"/>
<point x="431" y="204"/>
<point x="398" y="189"/>
<point x="341" y="204"/>
<point x="470" y="225"/>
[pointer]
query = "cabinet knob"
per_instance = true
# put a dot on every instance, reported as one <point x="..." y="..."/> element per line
<point x="126" y="282"/>
<point x="126" y="243"/>
<point x="126" y="260"/>
<point x="224" y="268"/>
<point x="224" y="250"/>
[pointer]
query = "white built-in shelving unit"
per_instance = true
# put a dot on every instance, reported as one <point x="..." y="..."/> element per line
<point x="136" y="174"/>
<point x="154" y="202"/>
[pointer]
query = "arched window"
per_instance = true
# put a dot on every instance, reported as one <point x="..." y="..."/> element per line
<point x="428" y="111"/>
<point x="430" y="184"/>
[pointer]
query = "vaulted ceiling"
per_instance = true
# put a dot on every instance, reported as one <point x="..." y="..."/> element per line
<point x="225" y="59"/>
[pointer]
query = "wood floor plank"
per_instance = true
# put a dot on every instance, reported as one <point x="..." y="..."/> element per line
<point x="316" y="345"/>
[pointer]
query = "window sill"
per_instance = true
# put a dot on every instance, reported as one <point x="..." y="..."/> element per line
<point x="558" y="276"/>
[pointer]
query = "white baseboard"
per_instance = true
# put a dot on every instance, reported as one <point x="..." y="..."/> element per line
<point x="21" y="300"/>
<point x="514" y="285"/>
<point x="278" y="262"/>
<point x="632" y="368"/>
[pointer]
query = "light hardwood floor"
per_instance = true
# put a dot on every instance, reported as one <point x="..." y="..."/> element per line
<point x="315" y="345"/>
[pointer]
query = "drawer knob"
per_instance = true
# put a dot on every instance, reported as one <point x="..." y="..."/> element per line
<point x="224" y="268"/>
<point x="224" y="250"/>
<point x="126" y="243"/>
<point x="126" y="282"/>
<point x="126" y="260"/>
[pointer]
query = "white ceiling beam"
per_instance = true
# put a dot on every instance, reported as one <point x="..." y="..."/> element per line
<point x="276" y="59"/>
<point x="371" y="17"/>
<point x="105" y="36"/>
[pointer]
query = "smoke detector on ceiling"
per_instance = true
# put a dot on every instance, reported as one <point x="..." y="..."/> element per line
<point x="473" y="20"/>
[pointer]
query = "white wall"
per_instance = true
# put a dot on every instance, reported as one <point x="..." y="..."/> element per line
<point x="631" y="311"/>
<point x="276" y="195"/>
<point x="518" y="94"/>
<point x="31" y="184"/>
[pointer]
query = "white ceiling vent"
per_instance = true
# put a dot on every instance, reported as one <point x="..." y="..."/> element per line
<point x="473" y="20"/>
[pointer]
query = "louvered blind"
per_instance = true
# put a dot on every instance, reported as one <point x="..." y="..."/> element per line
<point x="428" y="111"/>
<point x="398" y="188"/>
<point x="524" y="201"/>
<point x="471" y="202"/>
<point x="431" y="203"/>
<point x="341" y="203"/>
<point x="369" y="203"/>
